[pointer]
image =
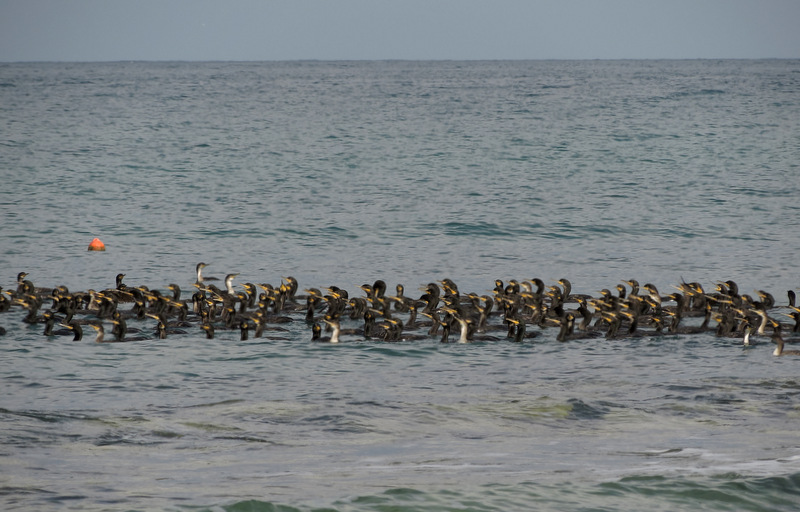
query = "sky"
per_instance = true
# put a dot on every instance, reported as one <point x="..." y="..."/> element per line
<point x="256" y="30"/>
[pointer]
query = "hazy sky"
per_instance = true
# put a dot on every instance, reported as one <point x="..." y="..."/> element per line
<point x="100" y="30"/>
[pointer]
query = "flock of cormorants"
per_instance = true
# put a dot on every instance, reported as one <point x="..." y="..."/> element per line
<point x="515" y="311"/>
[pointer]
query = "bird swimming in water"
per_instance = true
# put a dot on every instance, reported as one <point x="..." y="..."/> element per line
<point x="779" y="351"/>
<point x="464" y="326"/>
<point x="100" y="338"/>
<point x="117" y="338"/>
<point x="244" y="330"/>
<point x="26" y="287"/>
<point x="49" y="324"/>
<point x="209" y="330"/>
<point x="200" y="277"/>
<point x="317" y="331"/>
<point x="567" y="327"/>
<point x="748" y="340"/>
<point x="76" y="329"/>
<point x="519" y="333"/>
<point x="161" y="328"/>
<point x="229" y="283"/>
<point x="777" y="338"/>
<point x="510" y="307"/>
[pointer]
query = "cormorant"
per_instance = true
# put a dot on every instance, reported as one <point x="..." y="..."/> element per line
<point x="200" y="277"/>
<point x="778" y="339"/>
<point x="336" y="329"/>
<point x="76" y="329"/>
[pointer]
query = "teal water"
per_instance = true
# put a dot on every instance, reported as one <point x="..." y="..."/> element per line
<point x="412" y="172"/>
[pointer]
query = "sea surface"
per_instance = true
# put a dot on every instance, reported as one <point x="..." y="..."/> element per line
<point x="342" y="173"/>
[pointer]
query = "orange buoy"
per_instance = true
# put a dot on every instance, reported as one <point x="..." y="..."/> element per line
<point x="97" y="245"/>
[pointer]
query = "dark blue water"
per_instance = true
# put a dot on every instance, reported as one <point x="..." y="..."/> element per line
<point x="412" y="172"/>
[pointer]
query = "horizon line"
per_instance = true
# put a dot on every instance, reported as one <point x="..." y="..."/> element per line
<point x="573" y="59"/>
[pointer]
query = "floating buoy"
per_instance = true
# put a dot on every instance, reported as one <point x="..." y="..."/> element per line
<point x="97" y="245"/>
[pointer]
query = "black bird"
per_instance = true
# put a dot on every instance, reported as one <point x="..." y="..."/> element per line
<point x="49" y="324"/>
<point x="520" y="334"/>
<point x="316" y="331"/>
<point x="76" y="329"/>
<point x="778" y="339"/>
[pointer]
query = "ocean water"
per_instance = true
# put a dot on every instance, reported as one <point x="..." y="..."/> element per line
<point x="341" y="173"/>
